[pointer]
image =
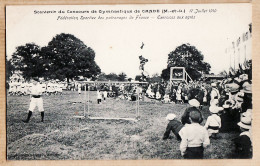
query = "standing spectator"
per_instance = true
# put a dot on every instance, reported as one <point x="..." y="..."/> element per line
<point x="178" y="95"/>
<point x="105" y="95"/>
<point x="99" y="97"/>
<point x="214" y="92"/>
<point x="247" y="99"/>
<point x="194" y="137"/>
<point x="79" y="88"/>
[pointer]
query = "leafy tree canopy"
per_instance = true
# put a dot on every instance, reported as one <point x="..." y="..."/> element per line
<point x="28" y="60"/>
<point x="68" y="57"/>
<point x="187" y="56"/>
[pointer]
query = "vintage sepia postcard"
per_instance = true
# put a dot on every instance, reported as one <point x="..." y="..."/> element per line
<point x="129" y="82"/>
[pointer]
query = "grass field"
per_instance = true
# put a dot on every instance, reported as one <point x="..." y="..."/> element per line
<point x="62" y="136"/>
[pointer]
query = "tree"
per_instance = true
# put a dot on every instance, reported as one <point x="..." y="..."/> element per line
<point x="189" y="57"/>
<point x="101" y="77"/>
<point x="112" y="77"/>
<point x="28" y="61"/>
<point x="138" y="78"/>
<point x="155" y="78"/>
<point x="121" y="76"/>
<point x="68" y="57"/>
<point x="9" y="69"/>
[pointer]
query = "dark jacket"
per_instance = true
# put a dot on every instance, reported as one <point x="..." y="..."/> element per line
<point x="243" y="147"/>
<point x="174" y="126"/>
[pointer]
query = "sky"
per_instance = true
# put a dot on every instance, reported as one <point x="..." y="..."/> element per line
<point x="117" y="42"/>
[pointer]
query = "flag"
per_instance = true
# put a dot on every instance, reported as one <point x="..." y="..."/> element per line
<point x="238" y="41"/>
<point x="142" y="46"/>
<point x="246" y="36"/>
<point x="241" y="69"/>
<point x="250" y="28"/>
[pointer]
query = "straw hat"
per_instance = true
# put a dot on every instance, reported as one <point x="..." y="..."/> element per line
<point x="194" y="102"/>
<point x="214" y="102"/>
<point x="215" y="109"/>
<point x="228" y="104"/>
<point x="243" y="77"/>
<point x="247" y="88"/>
<point x="248" y="113"/>
<point x="213" y="84"/>
<point x="245" y="122"/>
<point x="233" y="87"/>
<point x="170" y="116"/>
<point x="246" y="83"/>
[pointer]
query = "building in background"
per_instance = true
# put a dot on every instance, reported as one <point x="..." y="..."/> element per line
<point x="240" y="49"/>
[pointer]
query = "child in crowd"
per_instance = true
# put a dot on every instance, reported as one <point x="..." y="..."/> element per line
<point x="99" y="97"/>
<point x="174" y="125"/>
<point x="194" y="137"/>
<point x="105" y="95"/>
<point x="185" y="118"/>
<point x="243" y="143"/>
<point x="213" y="123"/>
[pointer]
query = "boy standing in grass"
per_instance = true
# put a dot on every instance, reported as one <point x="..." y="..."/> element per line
<point x="194" y="137"/>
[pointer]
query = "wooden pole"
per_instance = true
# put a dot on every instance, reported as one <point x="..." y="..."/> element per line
<point x="85" y="100"/>
<point x="88" y="101"/>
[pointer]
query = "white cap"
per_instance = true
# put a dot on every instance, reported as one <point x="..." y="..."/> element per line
<point x="194" y="102"/>
<point x="170" y="116"/>
<point x="214" y="102"/>
<point x="215" y="109"/>
<point x="213" y="84"/>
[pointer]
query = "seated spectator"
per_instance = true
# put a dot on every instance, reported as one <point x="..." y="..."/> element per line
<point x="213" y="123"/>
<point x="243" y="144"/>
<point x="174" y="125"/>
<point x="185" y="119"/>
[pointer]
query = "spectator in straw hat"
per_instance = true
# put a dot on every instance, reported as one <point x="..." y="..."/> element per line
<point x="214" y="92"/>
<point x="243" y="143"/>
<point x="174" y="125"/>
<point x="248" y="113"/>
<point x="247" y="99"/>
<point x="185" y="119"/>
<point x="213" y="123"/>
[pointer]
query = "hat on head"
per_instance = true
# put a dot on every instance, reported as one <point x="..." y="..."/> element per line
<point x="215" y="109"/>
<point x="246" y="83"/>
<point x="245" y="122"/>
<point x="233" y="87"/>
<point x="248" y="113"/>
<point x="194" y="102"/>
<point x="170" y="116"/>
<point x="243" y="77"/>
<point x="214" y="102"/>
<point x="237" y="79"/>
<point x="247" y="88"/>
<point x="227" y="104"/>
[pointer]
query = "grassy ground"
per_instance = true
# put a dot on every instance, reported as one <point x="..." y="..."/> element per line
<point x="62" y="136"/>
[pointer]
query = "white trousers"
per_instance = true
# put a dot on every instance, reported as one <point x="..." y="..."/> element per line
<point x="36" y="102"/>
